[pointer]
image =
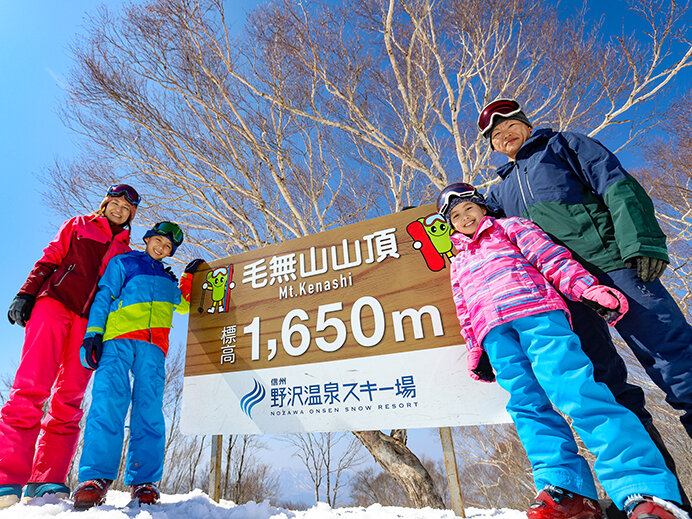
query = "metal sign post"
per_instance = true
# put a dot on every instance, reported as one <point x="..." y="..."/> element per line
<point x="215" y="469"/>
<point x="452" y="472"/>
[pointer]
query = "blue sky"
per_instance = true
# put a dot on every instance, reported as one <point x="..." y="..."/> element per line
<point x="34" y="59"/>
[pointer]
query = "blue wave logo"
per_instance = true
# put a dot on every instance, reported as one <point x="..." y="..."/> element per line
<point x="253" y="398"/>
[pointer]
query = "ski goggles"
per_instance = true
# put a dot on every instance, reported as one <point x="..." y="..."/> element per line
<point x="171" y="230"/>
<point x="498" y="108"/>
<point x="457" y="190"/>
<point x="128" y="192"/>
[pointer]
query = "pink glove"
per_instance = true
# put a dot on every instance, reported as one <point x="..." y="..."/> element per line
<point x="607" y="302"/>
<point x="478" y="364"/>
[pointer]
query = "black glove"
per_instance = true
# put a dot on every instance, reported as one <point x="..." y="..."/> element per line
<point x="607" y="302"/>
<point x="20" y="309"/>
<point x="168" y="269"/>
<point x="192" y="267"/>
<point x="648" y="269"/>
<point x="91" y="351"/>
<point x="608" y="314"/>
<point x="484" y="369"/>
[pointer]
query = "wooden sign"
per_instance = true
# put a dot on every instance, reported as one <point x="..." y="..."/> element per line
<point x="358" y="317"/>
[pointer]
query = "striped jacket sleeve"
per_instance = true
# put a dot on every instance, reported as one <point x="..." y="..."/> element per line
<point x="110" y="286"/>
<point x="185" y="286"/>
<point x="462" y="311"/>
<point x="553" y="261"/>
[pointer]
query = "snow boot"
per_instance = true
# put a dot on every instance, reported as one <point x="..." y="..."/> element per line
<point x="59" y="490"/>
<point x="145" y="493"/>
<point x="610" y="509"/>
<point x="670" y="463"/>
<point x="558" y="503"/>
<point x="640" y="506"/>
<point x="9" y="495"/>
<point x="91" y="493"/>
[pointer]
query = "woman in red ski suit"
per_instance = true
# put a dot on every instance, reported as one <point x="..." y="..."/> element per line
<point x="54" y="305"/>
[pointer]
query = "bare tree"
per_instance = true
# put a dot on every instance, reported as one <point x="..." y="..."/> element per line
<point x="493" y="467"/>
<point x="6" y="381"/>
<point x="397" y="459"/>
<point x="328" y="457"/>
<point x="408" y="78"/>
<point x="369" y="486"/>
<point x="293" y="505"/>
<point x="668" y="175"/>
<point x="245" y="477"/>
<point x="320" y="115"/>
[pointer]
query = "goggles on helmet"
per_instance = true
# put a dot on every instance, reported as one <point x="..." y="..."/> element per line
<point x="128" y="192"/>
<point x="456" y="190"/>
<point x="498" y="108"/>
<point x="170" y="230"/>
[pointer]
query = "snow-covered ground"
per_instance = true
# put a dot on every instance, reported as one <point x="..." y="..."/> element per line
<point x="197" y="504"/>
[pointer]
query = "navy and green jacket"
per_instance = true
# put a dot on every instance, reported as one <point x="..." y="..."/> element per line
<point x="577" y="191"/>
<point x="136" y="300"/>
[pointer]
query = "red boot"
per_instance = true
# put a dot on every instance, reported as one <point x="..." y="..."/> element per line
<point x="91" y="493"/>
<point x="558" y="503"/>
<point x="145" y="493"/>
<point x="646" y="507"/>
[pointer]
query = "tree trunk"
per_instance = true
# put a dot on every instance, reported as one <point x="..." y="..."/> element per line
<point x="406" y="469"/>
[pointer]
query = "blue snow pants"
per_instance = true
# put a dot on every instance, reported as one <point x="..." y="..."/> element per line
<point x="539" y="360"/>
<point x="111" y="395"/>
<point x="657" y="333"/>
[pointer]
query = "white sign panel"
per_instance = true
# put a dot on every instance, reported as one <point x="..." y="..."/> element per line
<point x="349" y="329"/>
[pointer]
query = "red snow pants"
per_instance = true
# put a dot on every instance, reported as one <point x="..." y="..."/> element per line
<point x="49" y="364"/>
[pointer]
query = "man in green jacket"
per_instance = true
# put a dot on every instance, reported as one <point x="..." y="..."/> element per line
<point x="577" y="191"/>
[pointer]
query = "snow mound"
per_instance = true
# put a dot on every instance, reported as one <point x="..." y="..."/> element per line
<point x="198" y="504"/>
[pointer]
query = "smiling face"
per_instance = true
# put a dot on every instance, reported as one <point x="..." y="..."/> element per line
<point x="158" y="247"/>
<point x="117" y="210"/>
<point x="509" y="136"/>
<point x="466" y="216"/>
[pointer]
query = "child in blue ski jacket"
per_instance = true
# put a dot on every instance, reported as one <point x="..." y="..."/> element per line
<point x="504" y="281"/>
<point x="127" y="333"/>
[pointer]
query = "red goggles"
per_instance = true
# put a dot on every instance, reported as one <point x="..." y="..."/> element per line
<point x="128" y="192"/>
<point x="498" y="108"/>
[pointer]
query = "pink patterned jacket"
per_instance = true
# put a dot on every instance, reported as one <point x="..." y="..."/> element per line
<point x="509" y="269"/>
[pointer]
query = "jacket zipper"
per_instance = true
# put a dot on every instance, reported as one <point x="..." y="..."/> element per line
<point x="521" y="189"/>
<point x="151" y="306"/>
<point x="69" y="269"/>
<point x="528" y="184"/>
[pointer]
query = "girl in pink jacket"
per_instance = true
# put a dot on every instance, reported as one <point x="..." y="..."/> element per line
<point x="54" y="305"/>
<point x="505" y="281"/>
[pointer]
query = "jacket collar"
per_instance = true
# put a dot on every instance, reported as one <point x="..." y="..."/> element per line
<point x="145" y="255"/>
<point x="123" y="233"/>
<point x="462" y="242"/>
<point x="537" y="137"/>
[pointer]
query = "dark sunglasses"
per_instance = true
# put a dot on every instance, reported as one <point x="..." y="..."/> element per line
<point x="171" y="230"/>
<point x="498" y="108"/>
<point x="128" y="192"/>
